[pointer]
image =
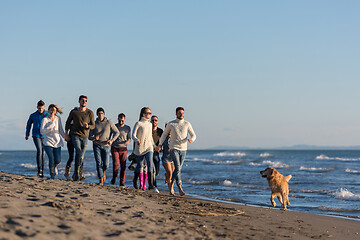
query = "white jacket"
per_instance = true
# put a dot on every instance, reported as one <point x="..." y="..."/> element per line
<point x="53" y="131"/>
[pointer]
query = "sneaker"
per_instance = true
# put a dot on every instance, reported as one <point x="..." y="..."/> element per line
<point x="122" y="185"/>
<point x="40" y="174"/>
<point x="156" y="190"/>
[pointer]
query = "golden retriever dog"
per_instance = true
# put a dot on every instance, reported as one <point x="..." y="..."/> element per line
<point x="278" y="185"/>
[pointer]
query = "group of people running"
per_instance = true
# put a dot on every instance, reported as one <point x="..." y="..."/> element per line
<point x="149" y="141"/>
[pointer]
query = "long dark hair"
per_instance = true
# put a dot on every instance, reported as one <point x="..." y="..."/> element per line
<point x="143" y="110"/>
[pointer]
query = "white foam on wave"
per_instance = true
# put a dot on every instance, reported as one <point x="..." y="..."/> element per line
<point x="230" y="154"/>
<point x="343" y="193"/>
<point x="265" y="155"/>
<point x="227" y="183"/>
<point x="313" y="169"/>
<point x="90" y="174"/>
<point x="28" y="165"/>
<point x="254" y="164"/>
<point x="348" y="170"/>
<point x="202" y="159"/>
<point x="275" y="164"/>
<point x="324" y="157"/>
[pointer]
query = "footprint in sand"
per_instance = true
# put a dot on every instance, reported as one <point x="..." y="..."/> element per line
<point x="63" y="226"/>
<point x="114" y="234"/>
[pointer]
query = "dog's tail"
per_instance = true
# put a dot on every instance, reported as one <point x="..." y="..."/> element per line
<point x="287" y="178"/>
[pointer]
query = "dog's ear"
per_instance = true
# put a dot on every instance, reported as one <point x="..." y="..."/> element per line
<point x="271" y="171"/>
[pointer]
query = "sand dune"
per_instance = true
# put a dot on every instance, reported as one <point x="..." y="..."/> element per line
<point x="31" y="207"/>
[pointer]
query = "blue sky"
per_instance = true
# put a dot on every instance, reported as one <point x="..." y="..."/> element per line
<point x="248" y="73"/>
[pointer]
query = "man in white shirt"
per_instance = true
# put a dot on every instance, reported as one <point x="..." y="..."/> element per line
<point x="179" y="130"/>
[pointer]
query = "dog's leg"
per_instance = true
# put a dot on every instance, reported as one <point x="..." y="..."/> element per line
<point x="280" y="199"/>
<point x="285" y="200"/>
<point x="272" y="200"/>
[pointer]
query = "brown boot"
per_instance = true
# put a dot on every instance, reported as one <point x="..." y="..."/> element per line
<point x="67" y="173"/>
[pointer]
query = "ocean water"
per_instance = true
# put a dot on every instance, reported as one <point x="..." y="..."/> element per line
<point x="324" y="182"/>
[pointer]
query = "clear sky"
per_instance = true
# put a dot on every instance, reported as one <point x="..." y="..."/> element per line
<point x="248" y="73"/>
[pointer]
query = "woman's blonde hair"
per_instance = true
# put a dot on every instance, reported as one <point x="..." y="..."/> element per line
<point x="56" y="107"/>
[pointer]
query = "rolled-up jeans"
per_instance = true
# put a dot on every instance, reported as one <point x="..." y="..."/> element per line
<point x="140" y="161"/>
<point x="178" y="157"/>
<point x="40" y="153"/>
<point x="54" y="155"/>
<point x="80" y="144"/>
<point x="101" y="154"/>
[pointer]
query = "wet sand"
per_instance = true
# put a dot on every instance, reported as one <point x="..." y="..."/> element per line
<point x="41" y="208"/>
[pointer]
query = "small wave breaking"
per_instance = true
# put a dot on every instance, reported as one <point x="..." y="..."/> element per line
<point x="266" y="155"/>
<point x="230" y="154"/>
<point x="28" y="165"/>
<point x="314" y="169"/>
<point x="324" y="157"/>
<point x="348" y="170"/>
<point x="345" y="194"/>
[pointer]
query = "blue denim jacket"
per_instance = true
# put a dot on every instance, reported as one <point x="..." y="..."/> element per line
<point x="35" y="119"/>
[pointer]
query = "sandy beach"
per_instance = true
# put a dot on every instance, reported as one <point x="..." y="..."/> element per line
<point x="32" y="207"/>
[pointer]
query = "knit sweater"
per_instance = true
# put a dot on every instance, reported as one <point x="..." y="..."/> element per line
<point x="142" y="132"/>
<point x="179" y="130"/>
<point x="53" y="132"/>
<point x="104" y="129"/>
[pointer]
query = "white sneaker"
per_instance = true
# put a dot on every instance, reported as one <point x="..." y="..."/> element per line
<point x="156" y="190"/>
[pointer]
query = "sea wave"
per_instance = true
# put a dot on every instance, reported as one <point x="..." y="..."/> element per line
<point x="266" y="155"/>
<point x="275" y="164"/>
<point x="230" y="154"/>
<point x="313" y="169"/>
<point x="324" y="157"/>
<point x="343" y="193"/>
<point x="348" y="170"/>
<point x="28" y="165"/>
<point x="338" y="210"/>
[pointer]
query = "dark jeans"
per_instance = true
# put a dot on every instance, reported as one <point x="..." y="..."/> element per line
<point x="71" y="151"/>
<point x="54" y="155"/>
<point x="80" y="144"/>
<point x="156" y="170"/>
<point x="101" y="154"/>
<point x="40" y="154"/>
<point x="140" y="162"/>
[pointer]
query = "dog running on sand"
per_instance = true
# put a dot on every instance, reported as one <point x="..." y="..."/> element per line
<point x="278" y="185"/>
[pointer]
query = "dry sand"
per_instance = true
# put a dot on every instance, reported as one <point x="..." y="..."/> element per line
<point x="40" y="208"/>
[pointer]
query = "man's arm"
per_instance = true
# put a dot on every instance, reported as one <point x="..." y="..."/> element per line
<point x="191" y="133"/>
<point x="28" y="127"/>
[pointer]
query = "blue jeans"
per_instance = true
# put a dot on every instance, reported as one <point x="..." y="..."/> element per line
<point x="140" y="162"/>
<point x="80" y="144"/>
<point x="178" y="158"/>
<point x="156" y="170"/>
<point x="40" y="154"/>
<point x="101" y="154"/>
<point x="54" y="155"/>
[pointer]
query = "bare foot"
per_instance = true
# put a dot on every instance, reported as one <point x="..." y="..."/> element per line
<point x="171" y="188"/>
<point x="104" y="177"/>
<point x="181" y="191"/>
